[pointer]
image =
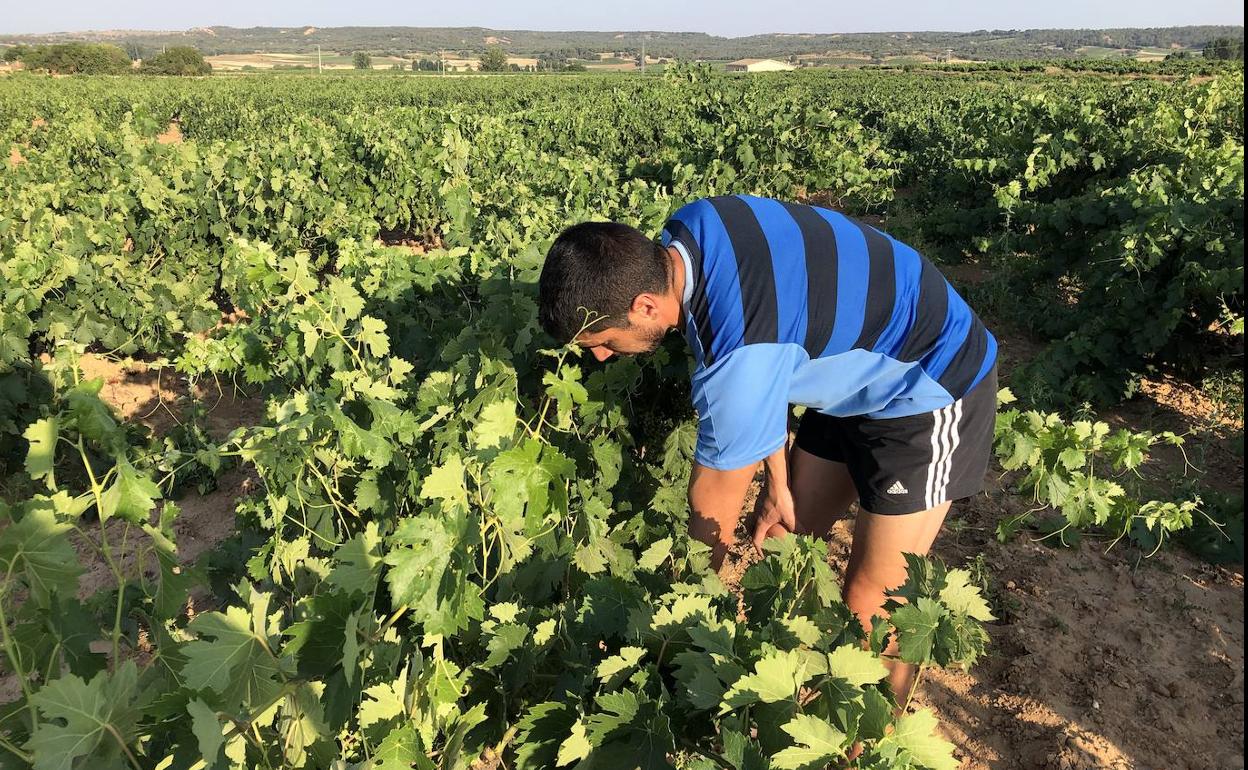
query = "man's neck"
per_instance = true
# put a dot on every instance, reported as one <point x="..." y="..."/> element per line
<point x="677" y="291"/>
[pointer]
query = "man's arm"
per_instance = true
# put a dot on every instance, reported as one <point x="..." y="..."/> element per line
<point x="742" y="404"/>
<point x="715" y="499"/>
<point x="777" y="514"/>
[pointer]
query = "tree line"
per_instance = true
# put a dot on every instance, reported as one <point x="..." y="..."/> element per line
<point x="1224" y="48"/>
<point x="105" y="59"/>
<point x="471" y="41"/>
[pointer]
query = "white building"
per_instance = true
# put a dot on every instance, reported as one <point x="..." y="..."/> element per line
<point x="757" y="65"/>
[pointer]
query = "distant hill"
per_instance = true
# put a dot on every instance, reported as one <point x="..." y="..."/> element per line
<point x="982" y="44"/>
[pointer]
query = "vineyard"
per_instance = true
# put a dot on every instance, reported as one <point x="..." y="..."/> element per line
<point x="440" y="541"/>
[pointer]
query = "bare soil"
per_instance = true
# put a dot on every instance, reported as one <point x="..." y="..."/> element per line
<point x="1210" y="432"/>
<point x="1099" y="660"/>
<point x="157" y="398"/>
<point x="417" y="243"/>
<point x="1103" y="659"/>
<point x="171" y="135"/>
<point x="202" y="522"/>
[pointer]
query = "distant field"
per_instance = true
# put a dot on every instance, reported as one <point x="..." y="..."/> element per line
<point x="236" y="62"/>
<point x="468" y="42"/>
<point x="228" y="62"/>
<point x="619" y="66"/>
<point x="1099" y="52"/>
<point x="1157" y="54"/>
<point x="1142" y="54"/>
<point x="920" y="59"/>
<point x="265" y="61"/>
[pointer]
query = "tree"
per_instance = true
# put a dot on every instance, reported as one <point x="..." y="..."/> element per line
<point x="362" y="61"/>
<point x="15" y="53"/>
<point x="77" y="58"/>
<point x="1224" y="48"/>
<point x="179" y="60"/>
<point x="494" y="59"/>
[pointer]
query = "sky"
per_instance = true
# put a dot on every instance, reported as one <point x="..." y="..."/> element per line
<point x="731" y="18"/>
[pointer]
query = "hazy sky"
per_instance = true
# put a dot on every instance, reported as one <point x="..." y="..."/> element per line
<point x="720" y="17"/>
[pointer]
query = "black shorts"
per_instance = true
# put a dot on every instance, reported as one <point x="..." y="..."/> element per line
<point x="910" y="464"/>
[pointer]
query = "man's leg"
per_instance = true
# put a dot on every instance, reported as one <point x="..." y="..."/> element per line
<point x="897" y="465"/>
<point x="822" y="492"/>
<point x="876" y="564"/>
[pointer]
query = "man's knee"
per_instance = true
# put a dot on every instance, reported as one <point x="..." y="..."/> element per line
<point x="861" y="591"/>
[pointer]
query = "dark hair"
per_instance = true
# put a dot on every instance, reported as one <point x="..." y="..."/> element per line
<point x="598" y="267"/>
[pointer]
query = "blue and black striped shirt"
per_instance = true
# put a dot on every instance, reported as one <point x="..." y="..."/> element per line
<point x="791" y="304"/>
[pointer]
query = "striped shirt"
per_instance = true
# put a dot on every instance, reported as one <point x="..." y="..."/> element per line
<point x="791" y="304"/>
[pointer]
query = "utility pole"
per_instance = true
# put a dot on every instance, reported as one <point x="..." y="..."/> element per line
<point x="318" y="58"/>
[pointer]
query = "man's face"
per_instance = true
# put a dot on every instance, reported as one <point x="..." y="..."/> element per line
<point x="631" y="340"/>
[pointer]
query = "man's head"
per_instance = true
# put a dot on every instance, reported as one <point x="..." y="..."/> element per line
<point x="615" y="276"/>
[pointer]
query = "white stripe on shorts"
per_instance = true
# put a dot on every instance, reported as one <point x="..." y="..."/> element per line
<point x="945" y="438"/>
<point x="938" y="416"/>
<point x="954" y="438"/>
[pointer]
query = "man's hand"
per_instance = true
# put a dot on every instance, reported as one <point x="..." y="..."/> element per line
<point x="775" y="516"/>
<point x="776" y="511"/>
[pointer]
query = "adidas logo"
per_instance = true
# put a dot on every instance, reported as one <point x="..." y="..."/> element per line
<point x="898" y="488"/>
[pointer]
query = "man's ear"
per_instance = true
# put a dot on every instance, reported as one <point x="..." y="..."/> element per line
<point x="646" y="306"/>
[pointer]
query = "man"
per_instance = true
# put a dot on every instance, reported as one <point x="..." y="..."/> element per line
<point x="789" y="304"/>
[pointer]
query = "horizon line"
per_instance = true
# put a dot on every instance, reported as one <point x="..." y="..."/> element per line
<point x="127" y="30"/>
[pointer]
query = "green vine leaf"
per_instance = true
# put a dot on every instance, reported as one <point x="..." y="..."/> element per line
<point x="94" y="720"/>
<point x="38" y="549"/>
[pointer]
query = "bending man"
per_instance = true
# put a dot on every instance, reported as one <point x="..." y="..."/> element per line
<point x="788" y="304"/>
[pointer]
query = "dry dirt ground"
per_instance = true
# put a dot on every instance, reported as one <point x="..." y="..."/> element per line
<point x="1102" y="659"/>
<point x="156" y="398"/>
<point x="1098" y="660"/>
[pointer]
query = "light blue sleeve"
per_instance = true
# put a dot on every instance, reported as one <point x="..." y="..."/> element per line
<point x="743" y="405"/>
